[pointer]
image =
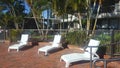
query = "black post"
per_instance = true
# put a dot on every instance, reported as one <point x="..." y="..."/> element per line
<point x="91" y="57"/>
<point x="112" y="43"/>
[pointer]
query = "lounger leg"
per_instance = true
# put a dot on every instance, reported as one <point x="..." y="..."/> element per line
<point x="8" y="50"/>
<point x="60" y="59"/>
<point x="38" y="52"/>
<point x="46" y="53"/>
<point x="67" y="64"/>
<point x="17" y="50"/>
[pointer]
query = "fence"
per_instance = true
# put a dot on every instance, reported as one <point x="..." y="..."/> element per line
<point x="109" y="38"/>
<point x="105" y="61"/>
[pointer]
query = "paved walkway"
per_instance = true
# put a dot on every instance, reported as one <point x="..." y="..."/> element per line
<point x="28" y="58"/>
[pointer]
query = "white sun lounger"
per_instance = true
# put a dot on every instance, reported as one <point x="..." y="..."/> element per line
<point x="74" y="57"/>
<point x="20" y="44"/>
<point x="55" y="44"/>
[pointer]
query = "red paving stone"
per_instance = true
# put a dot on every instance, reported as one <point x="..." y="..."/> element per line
<point x="28" y="58"/>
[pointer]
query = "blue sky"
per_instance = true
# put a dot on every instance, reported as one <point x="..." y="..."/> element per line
<point x="27" y="8"/>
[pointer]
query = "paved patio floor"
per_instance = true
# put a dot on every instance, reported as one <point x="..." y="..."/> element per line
<point x="29" y="58"/>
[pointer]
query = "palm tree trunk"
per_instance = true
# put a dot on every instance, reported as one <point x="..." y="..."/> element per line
<point x="90" y="14"/>
<point x="34" y="16"/>
<point x="96" y="18"/>
<point x="79" y="18"/>
<point x="14" y="14"/>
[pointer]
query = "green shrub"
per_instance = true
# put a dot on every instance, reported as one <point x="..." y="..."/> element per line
<point x="104" y="38"/>
<point x="14" y="34"/>
<point x="76" y="37"/>
<point x="117" y="37"/>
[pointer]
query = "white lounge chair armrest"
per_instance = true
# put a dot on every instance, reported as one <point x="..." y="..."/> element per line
<point x="96" y="55"/>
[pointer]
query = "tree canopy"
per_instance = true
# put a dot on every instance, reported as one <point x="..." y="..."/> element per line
<point x="13" y="11"/>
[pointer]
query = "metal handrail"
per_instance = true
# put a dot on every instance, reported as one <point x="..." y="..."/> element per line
<point x="105" y="61"/>
<point x="91" y="54"/>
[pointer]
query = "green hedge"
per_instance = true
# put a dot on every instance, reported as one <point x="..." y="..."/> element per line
<point x="76" y="37"/>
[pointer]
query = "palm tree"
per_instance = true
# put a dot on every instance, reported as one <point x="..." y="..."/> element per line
<point x="58" y="8"/>
<point x="37" y="6"/>
<point x="34" y="6"/>
<point x="90" y="12"/>
<point x="5" y="18"/>
<point x="62" y="7"/>
<point x="12" y="8"/>
<point x="12" y="12"/>
<point x="78" y="6"/>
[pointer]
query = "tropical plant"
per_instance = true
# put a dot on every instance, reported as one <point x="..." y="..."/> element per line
<point x="15" y="10"/>
<point x="36" y="7"/>
<point x="96" y="18"/>
<point x="76" y="37"/>
<point x="104" y="38"/>
<point x="117" y="36"/>
<point x="59" y="9"/>
<point x="14" y="34"/>
<point x="78" y="7"/>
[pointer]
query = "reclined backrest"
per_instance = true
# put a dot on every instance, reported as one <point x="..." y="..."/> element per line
<point x="24" y="38"/>
<point x="56" y="41"/>
<point x="93" y="42"/>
